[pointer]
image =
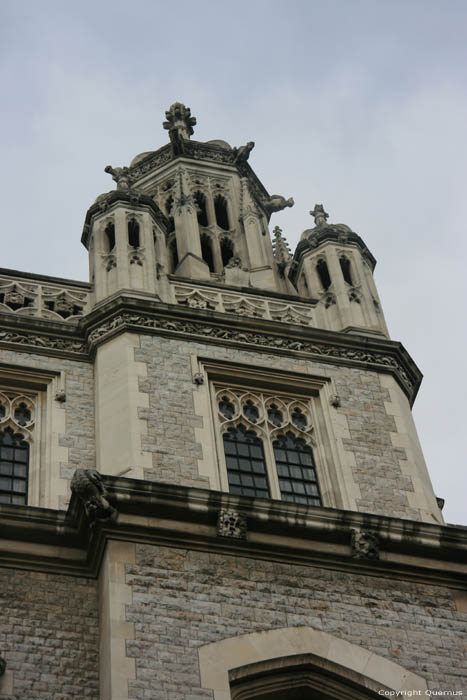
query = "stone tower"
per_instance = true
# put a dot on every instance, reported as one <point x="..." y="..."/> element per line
<point x="251" y="515"/>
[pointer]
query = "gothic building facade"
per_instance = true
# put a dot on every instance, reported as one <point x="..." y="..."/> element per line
<point x="211" y="484"/>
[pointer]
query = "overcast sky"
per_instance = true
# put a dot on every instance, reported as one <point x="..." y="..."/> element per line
<point x="359" y="104"/>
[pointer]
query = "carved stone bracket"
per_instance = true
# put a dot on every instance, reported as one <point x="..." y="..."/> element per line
<point x="231" y="524"/>
<point x="88" y="487"/>
<point x="364" y="544"/>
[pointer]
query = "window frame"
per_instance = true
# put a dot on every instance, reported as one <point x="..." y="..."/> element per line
<point x="318" y="390"/>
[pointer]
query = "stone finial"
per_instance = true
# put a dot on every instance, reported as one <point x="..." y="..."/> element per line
<point x="276" y="203"/>
<point x="242" y="153"/>
<point x="120" y="175"/>
<point x="87" y="485"/>
<point x="179" y="122"/>
<point x="364" y="544"/>
<point x="320" y="216"/>
<point x="281" y="247"/>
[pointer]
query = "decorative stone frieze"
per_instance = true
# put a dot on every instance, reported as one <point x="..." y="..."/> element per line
<point x="43" y="341"/>
<point x="364" y="544"/>
<point x="42" y="300"/>
<point x="231" y="524"/>
<point x="88" y="486"/>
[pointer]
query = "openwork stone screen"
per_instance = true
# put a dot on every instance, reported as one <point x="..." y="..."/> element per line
<point x="268" y="445"/>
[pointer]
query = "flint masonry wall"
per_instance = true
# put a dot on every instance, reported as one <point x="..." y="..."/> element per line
<point x="48" y="636"/>
<point x="183" y="599"/>
<point x="381" y="460"/>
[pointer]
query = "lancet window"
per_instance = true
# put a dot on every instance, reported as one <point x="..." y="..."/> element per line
<point x="323" y="273"/>
<point x="201" y="212"/>
<point x="173" y="254"/>
<point x="206" y="251"/>
<point x="110" y="237"/>
<point x="133" y="233"/>
<point x="17" y="418"/>
<point x="220" y="208"/>
<point x="345" y="267"/>
<point x="169" y="205"/>
<point x="227" y="250"/>
<point x="268" y="445"/>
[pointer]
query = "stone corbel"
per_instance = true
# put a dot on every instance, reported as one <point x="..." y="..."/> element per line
<point x="231" y="524"/>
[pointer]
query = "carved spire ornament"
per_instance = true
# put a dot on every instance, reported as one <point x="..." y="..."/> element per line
<point x="281" y="247"/>
<point x="179" y="120"/>
<point x="320" y="216"/>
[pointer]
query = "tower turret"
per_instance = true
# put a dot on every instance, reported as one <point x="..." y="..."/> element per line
<point x="333" y="264"/>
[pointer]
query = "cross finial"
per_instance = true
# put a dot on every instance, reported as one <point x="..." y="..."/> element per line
<point x="320" y="216"/>
<point x="179" y="120"/>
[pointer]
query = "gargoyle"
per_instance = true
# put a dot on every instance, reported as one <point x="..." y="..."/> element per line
<point x="87" y="485"/>
<point x="120" y="175"/>
<point x="242" y="154"/>
<point x="276" y="203"/>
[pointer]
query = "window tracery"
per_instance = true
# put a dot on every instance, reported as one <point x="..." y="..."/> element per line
<point x="17" y="420"/>
<point x="268" y="445"/>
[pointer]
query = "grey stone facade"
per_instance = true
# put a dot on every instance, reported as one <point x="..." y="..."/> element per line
<point x="49" y="635"/>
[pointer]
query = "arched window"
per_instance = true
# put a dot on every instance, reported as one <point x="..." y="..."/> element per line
<point x="133" y="233"/>
<point x="296" y="470"/>
<point x="246" y="464"/>
<point x="169" y="205"/>
<point x="227" y="250"/>
<point x="323" y="272"/>
<point x="14" y="463"/>
<point x="173" y="254"/>
<point x="110" y="237"/>
<point x="201" y="213"/>
<point x="206" y="251"/>
<point x="345" y="267"/>
<point x="220" y="207"/>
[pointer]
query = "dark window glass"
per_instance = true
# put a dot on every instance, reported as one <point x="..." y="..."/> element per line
<point x="323" y="273"/>
<point x="169" y="205"/>
<point x="250" y="411"/>
<point x="345" y="267"/>
<point x="133" y="233"/>
<point x="220" y="207"/>
<point x="206" y="251"/>
<point x="274" y="415"/>
<point x="227" y="250"/>
<point x="298" y="419"/>
<point x="201" y="213"/>
<point x="14" y="458"/>
<point x="173" y="254"/>
<point x="110" y="236"/>
<point x="246" y="466"/>
<point x="296" y="470"/>
<point x="22" y="414"/>
<point x="226" y="407"/>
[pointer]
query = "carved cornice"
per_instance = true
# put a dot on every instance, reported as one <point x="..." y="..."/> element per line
<point x="133" y="198"/>
<point x="375" y="354"/>
<point x="125" y="313"/>
<point x="323" y="234"/>
<point x="174" y="515"/>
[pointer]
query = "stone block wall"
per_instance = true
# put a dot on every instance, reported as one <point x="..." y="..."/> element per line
<point x="364" y="429"/>
<point x="183" y="599"/>
<point x="48" y="636"/>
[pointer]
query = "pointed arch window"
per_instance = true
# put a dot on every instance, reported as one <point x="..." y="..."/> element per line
<point x="268" y="445"/>
<point x="133" y="233"/>
<point x="227" y="250"/>
<point x="220" y="208"/>
<point x="110" y="237"/>
<point x="345" y="267"/>
<point x="201" y="212"/>
<point x="173" y="252"/>
<point x="206" y="251"/>
<point x="323" y="273"/>
<point x="169" y="205"/>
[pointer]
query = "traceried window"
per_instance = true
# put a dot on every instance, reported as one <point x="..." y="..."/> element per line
<point x="17" y="418"/>
<point x="268" y="445"/>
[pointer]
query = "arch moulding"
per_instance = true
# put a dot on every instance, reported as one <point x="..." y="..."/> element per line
<point x="218" y="658"/>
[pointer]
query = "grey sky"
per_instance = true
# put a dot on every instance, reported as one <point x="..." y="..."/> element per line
<point x="360" y="105"/>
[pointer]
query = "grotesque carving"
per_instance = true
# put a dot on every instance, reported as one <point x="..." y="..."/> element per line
<point x="276" y="203"/>
<point x="120" y="175"/>
<point x="231" y="524"/>
<point x="365" y="544"/>
<point x="242" y="154"/>
<point x="320" y="216"/>
<point x="87" y="485"/>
